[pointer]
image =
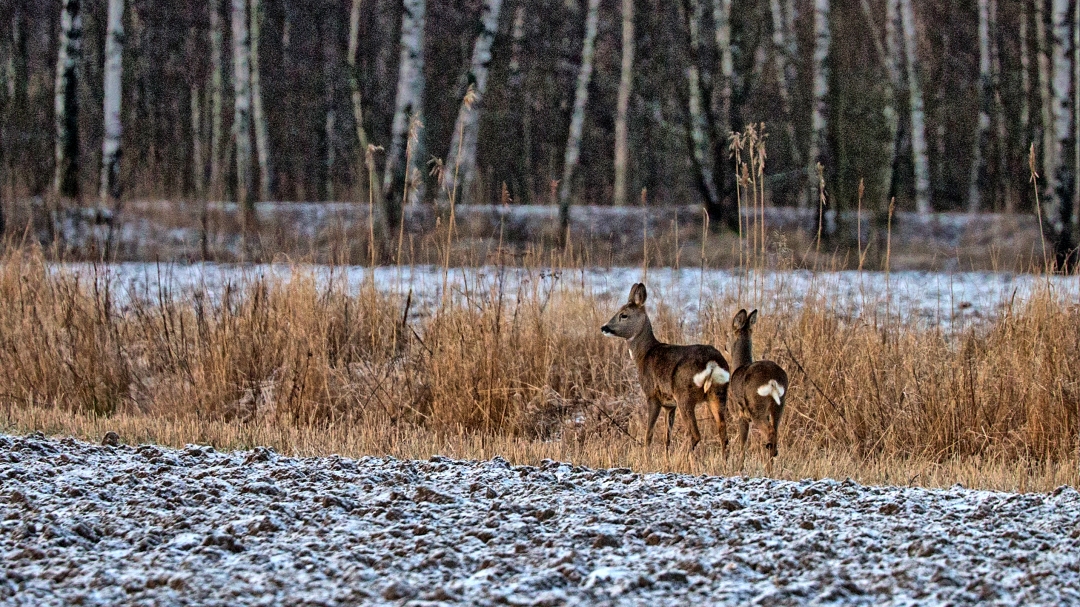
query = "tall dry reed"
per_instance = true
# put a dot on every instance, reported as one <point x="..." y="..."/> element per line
<point x="528" y="362"/>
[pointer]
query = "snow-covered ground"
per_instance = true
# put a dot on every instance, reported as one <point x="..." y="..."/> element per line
<point x="98" y="525"/>
<point x="932" y="297"/>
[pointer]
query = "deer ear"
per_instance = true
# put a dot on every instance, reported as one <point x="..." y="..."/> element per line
<point x="753" y="318"/>
<point x="739" y="321"/>
<point x="638" y="294"/>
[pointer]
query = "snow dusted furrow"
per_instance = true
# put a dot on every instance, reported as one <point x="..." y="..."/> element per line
<point x="98" y="525"/>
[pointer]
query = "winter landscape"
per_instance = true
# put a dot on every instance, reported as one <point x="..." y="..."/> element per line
<point x="104" y="525"/>
<point x="121" y="520"/>
<point x="539" y="302"/>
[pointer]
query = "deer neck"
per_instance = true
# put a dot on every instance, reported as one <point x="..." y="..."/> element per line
<point x="641" y="343"/>
<point x="741" y="352"/>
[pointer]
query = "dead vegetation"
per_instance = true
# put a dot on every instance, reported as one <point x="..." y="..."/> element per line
<point x="310" y="366"/>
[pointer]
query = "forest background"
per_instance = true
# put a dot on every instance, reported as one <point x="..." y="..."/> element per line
<point x="939" y="106"/>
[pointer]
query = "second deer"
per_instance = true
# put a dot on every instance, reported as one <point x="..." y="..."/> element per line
<point x="757" y="389"/>
<point x="671" y="376"/>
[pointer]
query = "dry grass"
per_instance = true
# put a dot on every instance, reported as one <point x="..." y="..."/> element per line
<point x="311" y="368"/>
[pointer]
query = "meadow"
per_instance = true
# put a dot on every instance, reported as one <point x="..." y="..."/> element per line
<point x="480" y="365"/>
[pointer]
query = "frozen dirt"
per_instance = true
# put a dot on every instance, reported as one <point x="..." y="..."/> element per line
<point x="100" y="525"/>
<point x="933" y="298"/>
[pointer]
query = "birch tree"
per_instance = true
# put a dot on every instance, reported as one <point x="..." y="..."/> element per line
<point x="331" y="66"/>
<point x="258" y="114"/>
<point x="977" y="177"/>
<point x="1058" y="200"/>
<point x="66" y="176"/>
<point x="241" y="44"/>
<point x="1076" y="129"/>
<point x="819" y="107"/>
<point x="461" y="159"/>
<point x="722" y="89"/>
<point x="1001" y="187"/>
<point x="785" y="76"/>
<point x="409" y="104"/>
<point x="626" y="78"/>
<point x="110" y="147"/>
<point x="1025" y="75"/>
<point x="217" y="95"/>
<point x="920" y="159"/>
<point x="724" y="210"/>
<point x="577" y="118"/>
<point x="17" y="90"/>
<point x="356" y="93"/>
<point x="1042" y="60"/>
<point x="198" y="163"/>
<point x="699" y="134"/>
<point x="887" y="49"/>
<point x="520" y="111"/>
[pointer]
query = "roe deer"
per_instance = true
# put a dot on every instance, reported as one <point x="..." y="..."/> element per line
<point x="757" y="388"/>
<point x="671" y="376"/>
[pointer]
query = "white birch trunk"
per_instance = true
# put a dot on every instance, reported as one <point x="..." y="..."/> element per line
<point x="331" y="152"/>
<point x="723" y="211"/>
<point x="1057" y="202"/>
<point x="819" y="105"/>
<point x="17" y="89"/>
<point x="520" y="112"/>
<point x="66" y="178"/>
<point x="217" y="96"/>
<point x="577" y="119"/>
<point x="891" y="111"/>
<point x="977" y="176"/>
<point x="1045" y="100"/>
<point x="920" y="159"/>
<point x="722" y="22"/>
<point x="1001" y="189"/>
<point x="241" y="43"/>
<point x="790" y="17"/>
<point x="110" y="147"/>
<point x="698" y="127"/>
<point x="626" y="82"/>
<point x="408" y="105"/>
<point x="785" y="77"/>
<point x="460" y="172"/>
<point x="197" y="160"/>
<point x="331" y="66"/>
<point x="1076" y="124"/>
<point x="258" y="115"/>
<point x="1025" y="76"/>
<point x="357" y="98"/>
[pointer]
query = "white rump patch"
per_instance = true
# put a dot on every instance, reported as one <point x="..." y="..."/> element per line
<point x="713" y="374"/>
<point x="772" y="388"/>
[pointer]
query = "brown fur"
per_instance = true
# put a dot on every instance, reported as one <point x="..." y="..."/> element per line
<point x="666" y="371"/>
<point x="754" y="411"/>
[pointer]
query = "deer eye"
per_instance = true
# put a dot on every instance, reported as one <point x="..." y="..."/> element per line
<point x="622" y="317"/>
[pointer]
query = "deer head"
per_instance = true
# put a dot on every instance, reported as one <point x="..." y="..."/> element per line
<point x="741" y="344"/>
<point x="631" y="320"/>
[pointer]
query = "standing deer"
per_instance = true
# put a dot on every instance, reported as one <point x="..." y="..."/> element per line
<point x="671" y="376"/>
<point x="757" y="388"/>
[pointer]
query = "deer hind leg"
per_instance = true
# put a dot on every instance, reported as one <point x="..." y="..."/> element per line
<point x="716" y="407"/>
<point x="654" y="412"/>
<point x="744" y="433"/>
<point x="670" y="425"/>
<point x="686" y="407"/>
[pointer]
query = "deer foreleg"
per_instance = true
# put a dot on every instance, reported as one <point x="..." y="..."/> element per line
<point x="654" y="412"/>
